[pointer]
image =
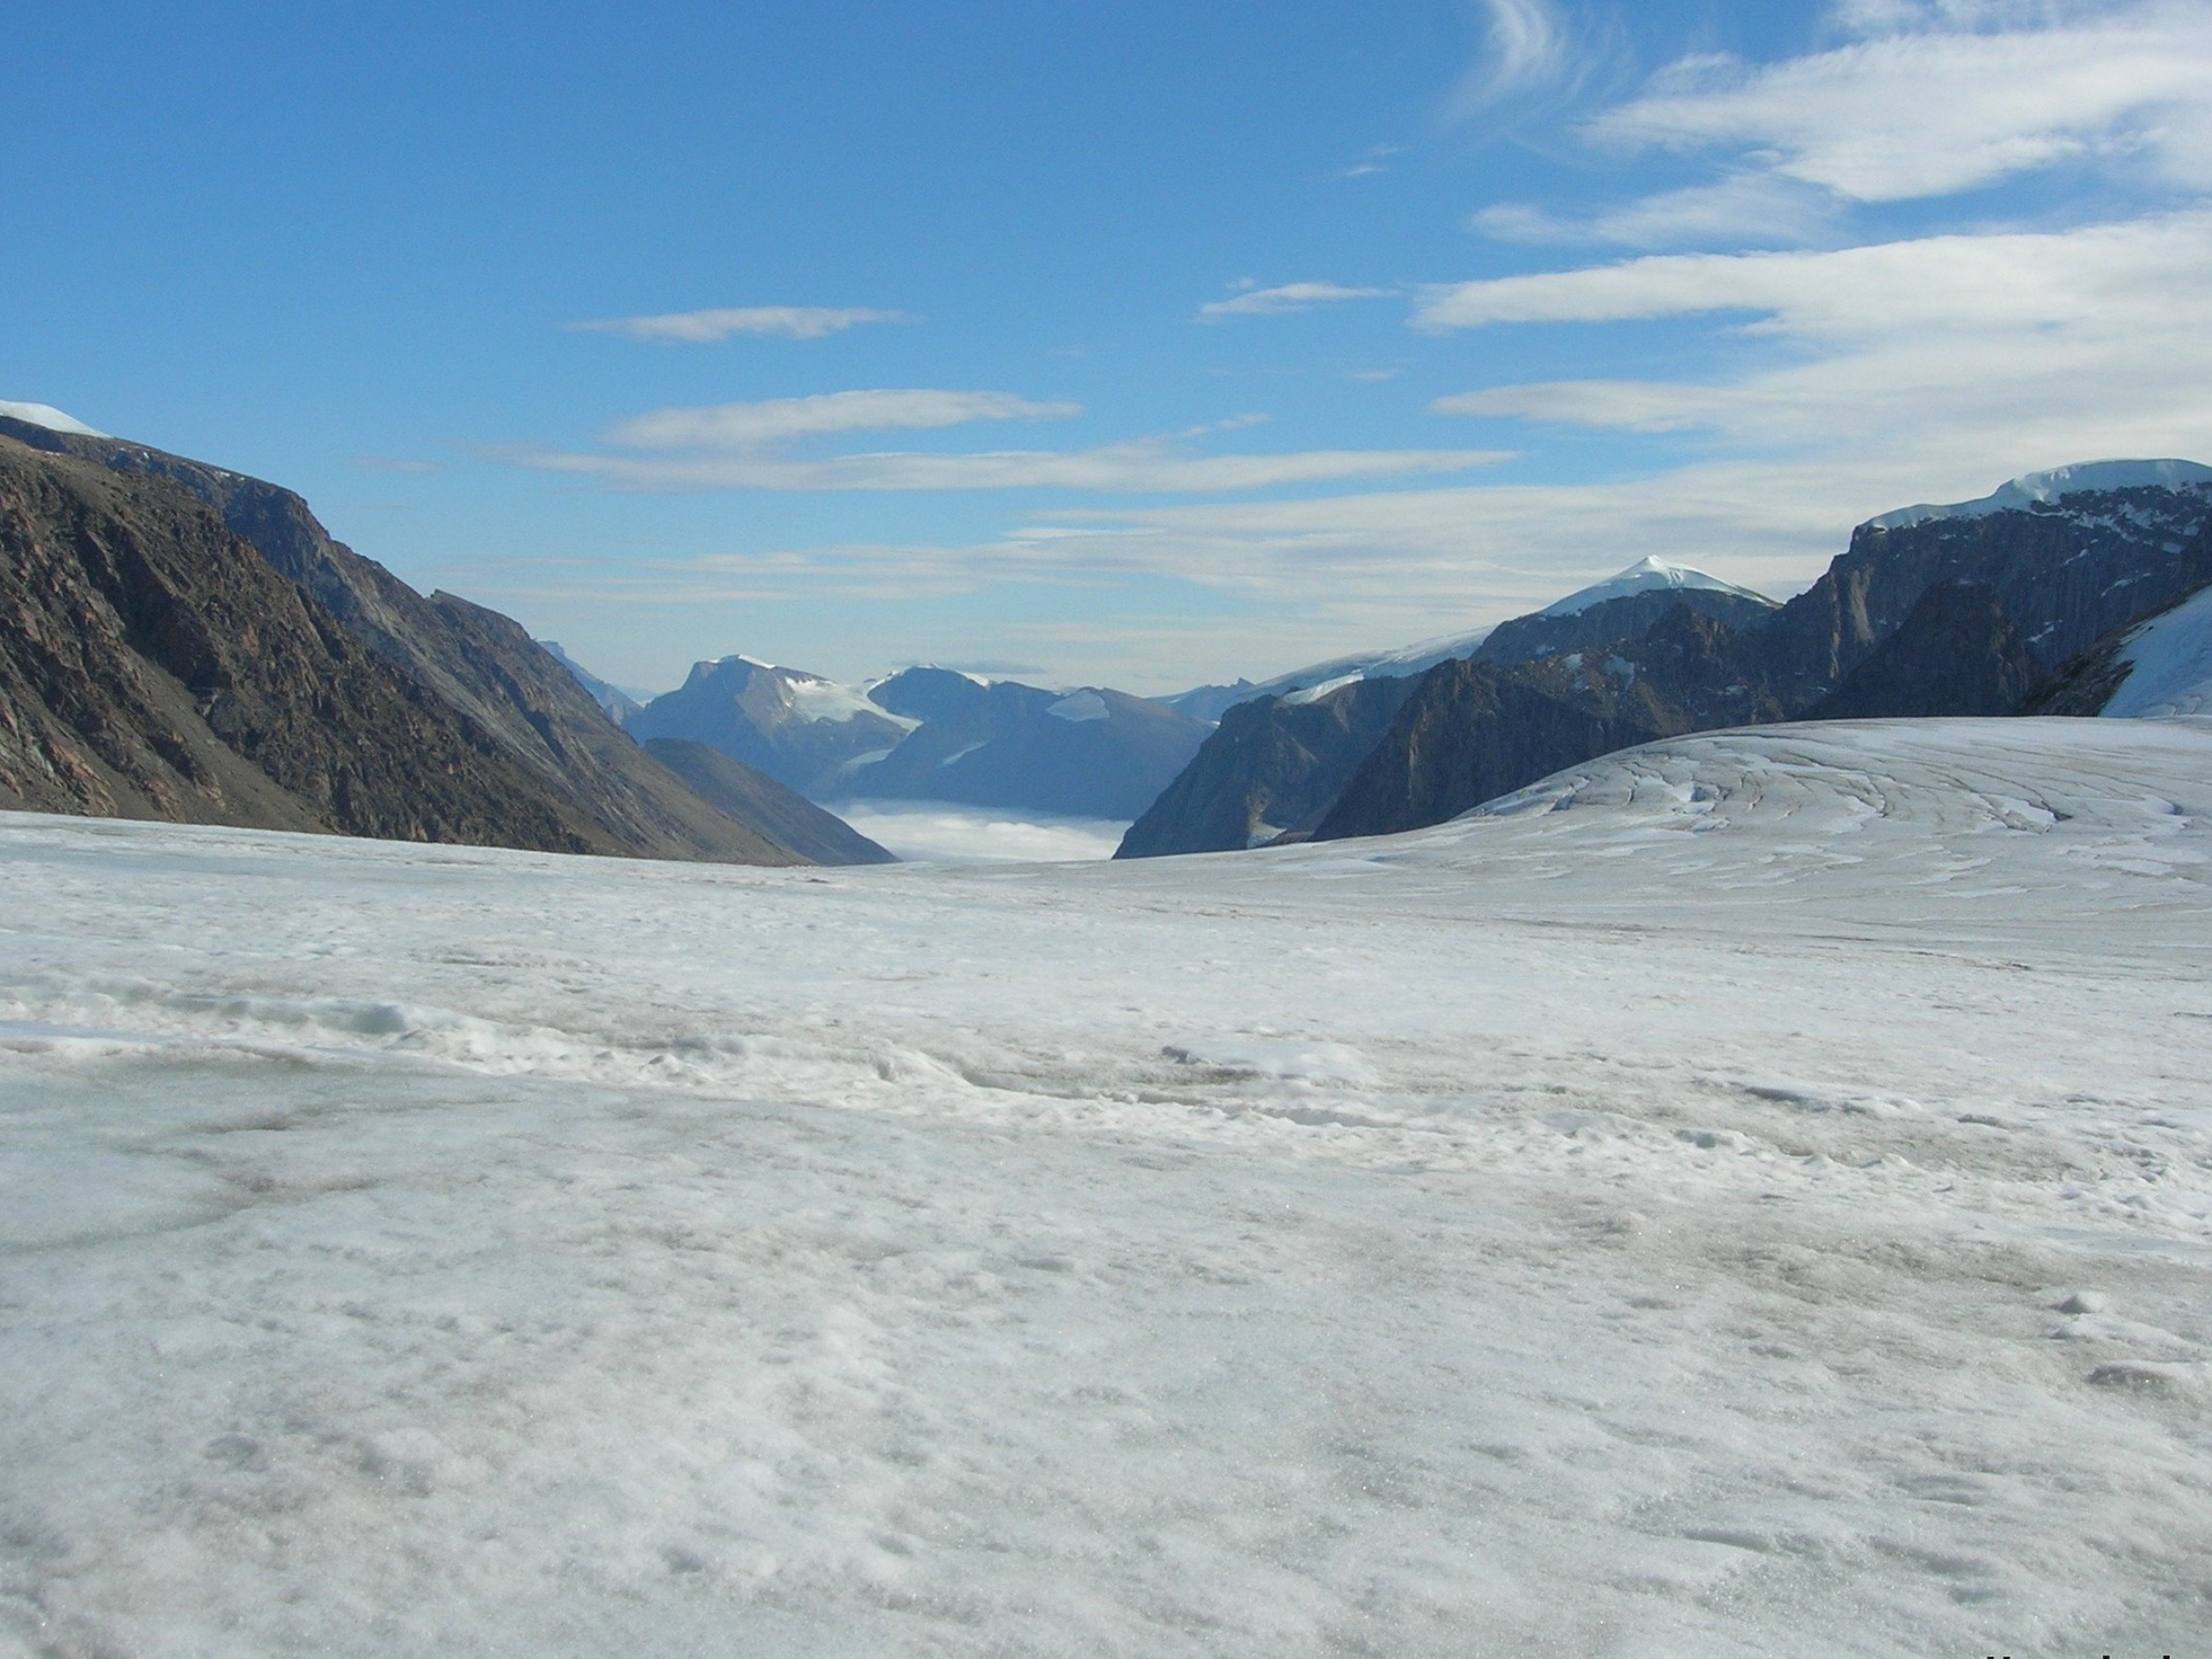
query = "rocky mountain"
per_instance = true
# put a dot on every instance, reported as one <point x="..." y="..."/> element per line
<point x="152" y="664"/>
<point x="1090" y="753"/>
<point x="1271" y="768"/>
<point x="480" y="664"/>
<point x="930" y="734"/>
<point x="799" y="728"/>
<point x="1276" y="765"/>
<point x="615" y="703"/>
<point x="2157" y="667"/>
<point x="752" y="796"/>
<point x="1956" y="652"/>
<point x="1931" y="610"/>
<point x="1470" y="731"/>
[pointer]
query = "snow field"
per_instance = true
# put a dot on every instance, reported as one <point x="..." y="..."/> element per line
<point x="1750" y="1194"/>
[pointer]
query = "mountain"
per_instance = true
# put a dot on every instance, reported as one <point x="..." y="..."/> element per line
<point x="618" y="704"/>
<point x="1276" y="765"/>
<point x="480" y="663"/>
<point x="1955" y="653"/>
<point x="1092" y="753"/>
<point x="799" y="728"/>
<point x="2157" y="668"/>
<point x="753" y="797"/>
<point x="152" y="664"/>
<point x="1470" y="731"/>
<point x="1929" y="610"/>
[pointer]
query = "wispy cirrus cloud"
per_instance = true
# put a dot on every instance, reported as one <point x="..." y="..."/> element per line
<point x="1140" y="466"/>
<point x="1525" y="46"/>
<point x="707" y="327"/>
<point x="777" y="420"/>
<point x="1285" y="298"/>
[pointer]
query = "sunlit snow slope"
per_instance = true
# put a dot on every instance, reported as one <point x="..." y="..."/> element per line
<point x="1749" y="1195"/>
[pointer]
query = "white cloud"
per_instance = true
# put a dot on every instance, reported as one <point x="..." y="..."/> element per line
<point x="1290" y="296"/>
<point x="1744" y="207"/>
<point x="1947" y="102"/>
<point x="788" y="322"/>
<point x="752" y="426"/>
<point x="1523" y="47"/>
<point x="2030" y="279"/>
<point x="1142" y="467"/>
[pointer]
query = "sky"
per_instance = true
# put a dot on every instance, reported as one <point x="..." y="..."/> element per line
<point x="1106" y="341"/>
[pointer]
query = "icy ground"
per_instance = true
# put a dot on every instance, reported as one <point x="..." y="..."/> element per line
<point x="1763" y="1208"/>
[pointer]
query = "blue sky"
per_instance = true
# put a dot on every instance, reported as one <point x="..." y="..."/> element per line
<point x="1125" y="342"/>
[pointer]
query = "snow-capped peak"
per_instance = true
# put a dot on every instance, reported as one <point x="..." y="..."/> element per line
<point x="1644" y="576"/>
<point x="47" y="416"/>
<point x="2034" y="489"/>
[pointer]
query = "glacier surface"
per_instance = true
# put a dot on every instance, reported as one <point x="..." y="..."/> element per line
<point x="1750" y="1194"/>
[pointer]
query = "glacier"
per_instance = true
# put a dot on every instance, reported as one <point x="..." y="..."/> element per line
<point x="1748" y="1194"/>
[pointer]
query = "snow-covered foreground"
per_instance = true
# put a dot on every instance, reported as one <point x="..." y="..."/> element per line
<point x="1763" y="1208"/>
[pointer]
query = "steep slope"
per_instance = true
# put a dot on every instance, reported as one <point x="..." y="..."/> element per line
<point x="153" y="665"/>
<point x="2090" y="549"/>
<point x="1956" y="653"/>
<point x="1090" y="753"/>
<point x="478" y="663"/>
<point x="1281" y="762"/>
<point x="752" y="796"/>
<point x="2066" y="570"/>
<point x="1473" y="731"/>
<point x="1271" y="766"/>
<point x="618" y="704"/>
<point x="801" y="729"/>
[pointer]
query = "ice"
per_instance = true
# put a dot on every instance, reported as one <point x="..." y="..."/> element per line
<point x="1750" y="1194"/>
<point x="2032" y="490"/>
<point x="1080" y="706"/>
<point x="2169" y="660"/>
<point x="47" y="416"/>
<point x="1645" y="575"/>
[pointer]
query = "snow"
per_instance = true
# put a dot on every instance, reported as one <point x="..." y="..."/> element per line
<point x="1751" y="1195"/>
<point x="2032" y="490"/>
<point x="814" y="698"/>
<point x="47" y="416"/>
<point x="944" y="832"/>
<point x="2169" y="665"/>
<point x="1080" y="706"/>
<point x="1645" y="575"/>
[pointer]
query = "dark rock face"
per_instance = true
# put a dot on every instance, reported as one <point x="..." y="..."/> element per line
<point x="1092" y="753"/>
<point x="2066" y="574"/>
<point x="478" y="662"/>
<point x="1275" y="767"/>
<point x="1471" y="730"/>
<point x="1524" y="639"/>
<point x="1271" y="767"/>
<point x="773" y="719"/>
<point x="753" y="797"/>
<point x="152" y="664"/>
<point x="1956" y="653"/>
<point x="1944" y="615"/>
<point x="2084" y="683"/>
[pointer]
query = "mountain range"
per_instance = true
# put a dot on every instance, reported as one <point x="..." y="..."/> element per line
<point x="181" y="641"/>
<point x="2029" y="599"/>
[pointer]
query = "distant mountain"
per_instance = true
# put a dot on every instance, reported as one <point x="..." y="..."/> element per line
<point x="1090" y="753"/>
<point x="799" y="728"/>
<point x="2152" y="668"/>
<point x="618" y="704"/>
<point x="753" y="797"/>
<point x="481" y="665"/>
<point x="1277" y="764"/>
<point x="932" y="733"/>
<point x="2032" y="490"/>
